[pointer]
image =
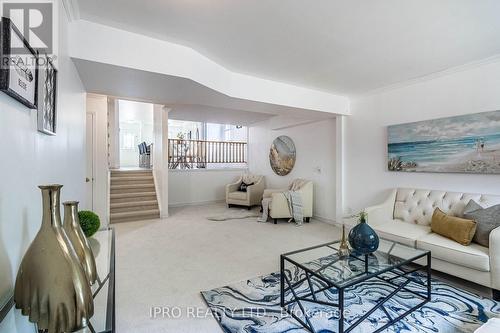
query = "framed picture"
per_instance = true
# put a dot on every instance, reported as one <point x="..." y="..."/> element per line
<point x="18" y="72"/>
<point x="47" y="116"/>
<point x="282" y="155"/>
<point x="460" y="144"/>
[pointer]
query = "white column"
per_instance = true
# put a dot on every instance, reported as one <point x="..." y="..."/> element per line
<point x="160" y="156"/>
<point x="339" y="168"/>
<point x="114" y="133"/>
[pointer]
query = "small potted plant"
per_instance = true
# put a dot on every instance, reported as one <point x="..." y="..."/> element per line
<point x="89" y="221"/>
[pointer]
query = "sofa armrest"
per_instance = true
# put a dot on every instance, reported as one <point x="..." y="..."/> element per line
<point x="268" y="192"/>
<point x="279" y="206"/>
<point x="383" y="212"/>
<point x="255" y="192"/>
<point x="233" y="187"/>
<point x="495" y="258"/>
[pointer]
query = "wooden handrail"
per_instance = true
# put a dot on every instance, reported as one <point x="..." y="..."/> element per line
<point x="207" y="141"/>
<point x="190" y="154"/>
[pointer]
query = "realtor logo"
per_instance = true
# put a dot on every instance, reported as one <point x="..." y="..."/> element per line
<point x="34" y="21"/>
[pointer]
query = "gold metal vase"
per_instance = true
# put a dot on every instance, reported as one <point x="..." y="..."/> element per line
<point x="71" y="225"/>
<point x="51" y="286"/>
<point x="344" y="251"/>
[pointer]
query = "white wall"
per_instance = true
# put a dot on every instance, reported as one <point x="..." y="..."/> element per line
<point x="30" y="158"/>
<point x="366" y="179"/>
<point x="199" y="186"/>
<point x="315" y="145"/>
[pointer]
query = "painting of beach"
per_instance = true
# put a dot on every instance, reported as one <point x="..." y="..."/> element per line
<point x="465" y="144"/>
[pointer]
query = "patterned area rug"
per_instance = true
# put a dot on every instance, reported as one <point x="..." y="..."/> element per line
<point x="232" y="214"/>
<point x="252" y="306"/>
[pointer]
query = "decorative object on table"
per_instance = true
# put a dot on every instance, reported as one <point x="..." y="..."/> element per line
<point x="89" y="221"/>
<point x="486" y="219"/>
<point x="344" y="251"/>
<point x="51" y="287"/>
<point x="362" y="237"/>
<point x="71" y="225"/>
<point x="466" y="144"/>
<point x="18" y="79"/>
<point x="47" y="91"/>
<point x="282" y="155"/>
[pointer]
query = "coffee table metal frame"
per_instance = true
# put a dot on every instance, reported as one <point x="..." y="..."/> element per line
<point x="396" y="269"/>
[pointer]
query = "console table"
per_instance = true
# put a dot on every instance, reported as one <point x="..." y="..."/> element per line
<point x="103" y="321"/>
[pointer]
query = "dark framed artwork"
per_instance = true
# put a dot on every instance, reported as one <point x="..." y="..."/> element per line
<point x="460" y="144"/>
<point x="47" y="115"/>
<point x="18" y="71"/>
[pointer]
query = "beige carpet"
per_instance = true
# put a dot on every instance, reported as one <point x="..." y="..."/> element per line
<point x="167" y="262"/>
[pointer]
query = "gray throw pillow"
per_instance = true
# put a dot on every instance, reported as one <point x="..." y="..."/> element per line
<point x="486" y="219"/>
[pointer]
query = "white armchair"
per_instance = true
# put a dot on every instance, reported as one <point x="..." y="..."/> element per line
<point x="279" y="208"/>
<point x="253" y="195"/>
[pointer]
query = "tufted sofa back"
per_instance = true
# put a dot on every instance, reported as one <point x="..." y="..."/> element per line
<point x="417" y="206"/>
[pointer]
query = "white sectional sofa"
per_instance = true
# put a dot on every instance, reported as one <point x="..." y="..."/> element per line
<point x="405" y="217"/>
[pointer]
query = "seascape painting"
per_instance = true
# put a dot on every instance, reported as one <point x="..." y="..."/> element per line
<point x="464" y="144"/>
<point x="282" y="155"/>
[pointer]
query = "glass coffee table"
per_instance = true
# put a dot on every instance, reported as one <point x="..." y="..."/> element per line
<point x="316" y="277"/>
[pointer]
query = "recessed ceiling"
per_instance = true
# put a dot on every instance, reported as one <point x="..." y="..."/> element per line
<point x="347" y="47"/>
<point x="188" y="100"/>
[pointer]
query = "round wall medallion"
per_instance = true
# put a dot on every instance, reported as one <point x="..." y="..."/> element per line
<point x="282" y="155"/>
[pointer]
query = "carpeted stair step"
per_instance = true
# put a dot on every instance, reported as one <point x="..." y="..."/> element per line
<point x="119" y="180"/>
<point x="135" y="216"/>
<point x="132" y="188"/>
<point x="121" y="207"/>
<point x="132" y="197"/>
<point x="131" y="173"/>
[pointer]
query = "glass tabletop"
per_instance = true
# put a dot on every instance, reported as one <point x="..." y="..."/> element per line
<point x="323" y="262"/>
<point x="102" y="245"/>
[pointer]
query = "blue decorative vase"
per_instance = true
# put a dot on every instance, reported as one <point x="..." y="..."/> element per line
<point x="363" y="238"/>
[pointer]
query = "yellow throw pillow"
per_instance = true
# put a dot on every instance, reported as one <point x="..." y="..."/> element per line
<point x="458" y="229"/>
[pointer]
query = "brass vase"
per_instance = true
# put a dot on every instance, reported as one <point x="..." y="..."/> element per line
<point x="51" y="286"/>
<point x="344" y="251"/>
<point x="71" y="225"/>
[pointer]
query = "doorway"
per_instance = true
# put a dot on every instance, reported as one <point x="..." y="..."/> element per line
<point x="135" y="127"/>
<point x="90" y="153"/>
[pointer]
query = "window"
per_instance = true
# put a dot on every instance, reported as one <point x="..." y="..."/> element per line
<point x="127" y="141"/>
<point x="198" y="145"/>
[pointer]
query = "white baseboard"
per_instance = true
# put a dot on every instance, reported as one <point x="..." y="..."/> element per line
<point x="197" y="203"/>
<point x="326" y="220"/>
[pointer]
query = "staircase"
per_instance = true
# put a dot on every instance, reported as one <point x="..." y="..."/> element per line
<point x="133" y="196"/>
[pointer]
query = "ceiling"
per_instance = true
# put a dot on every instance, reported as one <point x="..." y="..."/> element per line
<point x="187" y="99"/>
<point x="340" y="46"/>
